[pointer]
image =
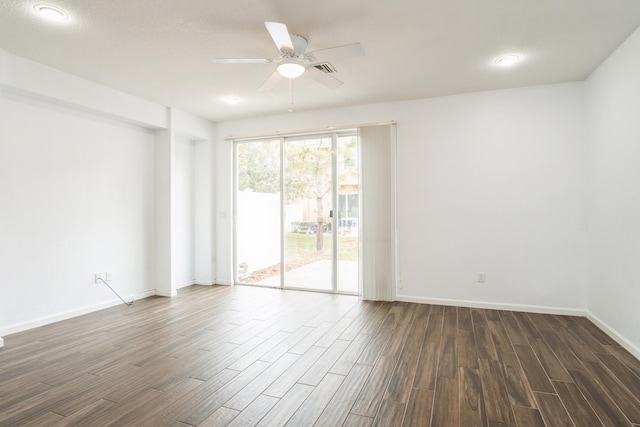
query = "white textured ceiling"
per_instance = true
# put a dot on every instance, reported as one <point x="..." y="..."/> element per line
<point x="162" y="50"/>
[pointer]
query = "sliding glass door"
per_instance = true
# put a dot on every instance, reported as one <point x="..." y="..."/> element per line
<point x="297" y="212"/>
<point x="308" y="254"/>
<point x="347" y="217"/>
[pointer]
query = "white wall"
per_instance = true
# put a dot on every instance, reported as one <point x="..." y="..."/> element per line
<point x="204" y="208"/>
<point x="201" y="133"/>
<point x="163" y="208"/>
<point x="500" y="189"/>
<point x="489" y="182"/>
<point x="20" y="74"/>
<point x="614" y="196"/>
<point x="183" y="212"/>
<point x="77" y="198"/>
<point x="90" y="181"/>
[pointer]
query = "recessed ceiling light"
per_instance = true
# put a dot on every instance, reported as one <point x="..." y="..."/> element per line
<point x="50" y="13"/>
<point x="231" y="100"/>
<point x="507" y="60"/>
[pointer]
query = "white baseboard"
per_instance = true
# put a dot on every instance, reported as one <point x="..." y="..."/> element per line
<point x="224" y="282"/>
<point x="620" y="339"/>
<point x="494" y="306"/>
<point x="203" y="282"/>
<point x="143" y="295"/>
<point x="163" y="293"/>
<point x="628" y="345"/>
<point x="185" y="284"/>
<point x="45" y="320"/>
<point x="1" y="342"/>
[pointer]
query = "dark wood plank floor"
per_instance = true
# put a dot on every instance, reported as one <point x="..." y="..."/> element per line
<point x="243" y="356"/>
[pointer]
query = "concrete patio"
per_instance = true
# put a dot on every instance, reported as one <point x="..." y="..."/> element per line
<point x="317" y="275"/>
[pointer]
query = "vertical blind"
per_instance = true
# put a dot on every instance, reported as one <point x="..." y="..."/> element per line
<point x="378" y="272"/>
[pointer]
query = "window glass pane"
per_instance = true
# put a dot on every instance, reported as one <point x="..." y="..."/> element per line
<point x="258" y="213"/>
<point x="308" y="182"/>
<point x="348" y="213"/>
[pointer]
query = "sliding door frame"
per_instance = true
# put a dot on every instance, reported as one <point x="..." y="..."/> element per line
<point x="334" y="135"/>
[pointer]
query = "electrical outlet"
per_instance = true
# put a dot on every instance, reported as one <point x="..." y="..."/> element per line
<point x="98" y="276"/>
<point x="482" y="277"/>
<point x="108" y="276"/>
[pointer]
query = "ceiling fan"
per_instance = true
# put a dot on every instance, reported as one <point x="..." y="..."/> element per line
<point x="293" y="59"/>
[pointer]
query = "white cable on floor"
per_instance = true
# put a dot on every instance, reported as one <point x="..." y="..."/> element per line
<point x="103" y="281"/>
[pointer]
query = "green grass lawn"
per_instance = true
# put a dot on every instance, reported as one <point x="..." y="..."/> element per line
<point x="303" y="247"/>
<point x="300" y="249"/>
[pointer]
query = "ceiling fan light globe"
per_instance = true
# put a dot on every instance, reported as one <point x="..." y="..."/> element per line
<point x="291" y="69"/>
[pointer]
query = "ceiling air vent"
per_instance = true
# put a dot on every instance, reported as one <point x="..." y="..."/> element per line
<point x="325" y="67"/>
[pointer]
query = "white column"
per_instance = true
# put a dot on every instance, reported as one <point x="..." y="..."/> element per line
<point x="163" y="179"/>
<point x="204" y="213"/>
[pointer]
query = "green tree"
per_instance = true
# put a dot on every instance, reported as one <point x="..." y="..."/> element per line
<point x="308" y="173"/>
<point x="308" y="176"/>
<point x="259" y="166"/>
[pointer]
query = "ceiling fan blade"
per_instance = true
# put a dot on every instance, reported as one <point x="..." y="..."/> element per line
<point x="271" y="82"/>
<point x="280" y="35"/>
<point x="337" y="52"/>
<point x="242" y="60"/>
<point x="323" y="78"/>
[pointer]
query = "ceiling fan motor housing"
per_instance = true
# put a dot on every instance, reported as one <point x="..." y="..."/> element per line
<point x="299" y="45"/>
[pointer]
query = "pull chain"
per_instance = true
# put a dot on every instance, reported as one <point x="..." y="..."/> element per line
<point x="291" y="95"/>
